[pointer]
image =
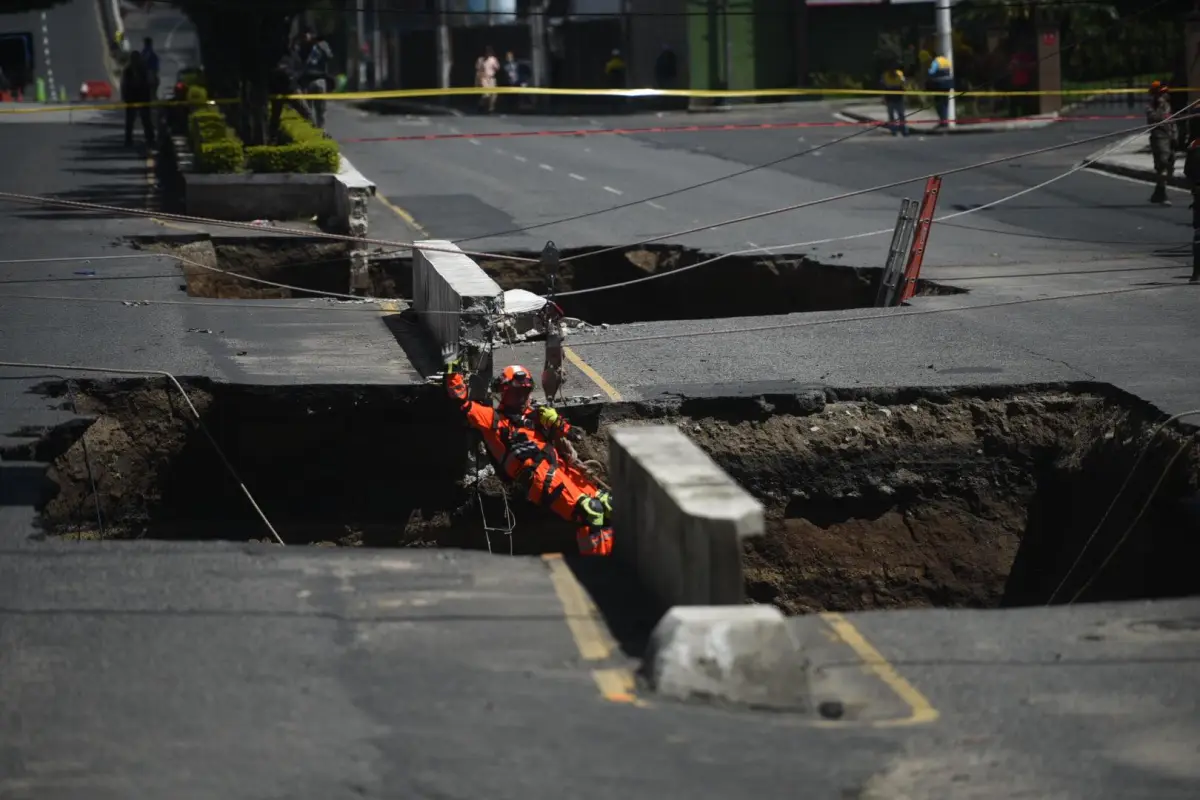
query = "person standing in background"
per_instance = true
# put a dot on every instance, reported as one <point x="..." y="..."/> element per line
<point x="486" y="67"/>
<point x="941" y="80"/>
<point x="893" y="81"/>
<point x="150" y="61"/>
<point x="135" y="89"/>
<point x="1162" y="140"/>
<point x="318" y="59"/>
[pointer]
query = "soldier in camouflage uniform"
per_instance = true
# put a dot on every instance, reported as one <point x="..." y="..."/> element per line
<point x="1191" y="169"/>
<point x="1162" y="140"/>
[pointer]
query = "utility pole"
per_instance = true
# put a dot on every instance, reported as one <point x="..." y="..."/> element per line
<point x="537" y="41"/>
<point x="377" y="54"/>
<point x="360" y="29"/>
<point x="443" y="46"/>
<point x="945" y="32"/>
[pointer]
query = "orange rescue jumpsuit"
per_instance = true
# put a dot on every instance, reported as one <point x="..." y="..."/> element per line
<point x="521" y="446"/>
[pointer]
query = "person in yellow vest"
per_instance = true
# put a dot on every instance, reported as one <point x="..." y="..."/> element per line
<point x="893" y="81"/>
<point x="941" y="80"/>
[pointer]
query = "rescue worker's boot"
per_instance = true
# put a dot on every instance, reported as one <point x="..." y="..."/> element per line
<point x="594" y="537"/>
<point x="594" y="541"/>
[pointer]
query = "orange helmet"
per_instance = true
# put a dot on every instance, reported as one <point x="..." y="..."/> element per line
<point x="1157" y="87"/>
<point x="515" y="385"/>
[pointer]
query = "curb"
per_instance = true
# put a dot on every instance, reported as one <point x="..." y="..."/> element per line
<point x="1146" y="175"/>
<point x="1027" y="124"/>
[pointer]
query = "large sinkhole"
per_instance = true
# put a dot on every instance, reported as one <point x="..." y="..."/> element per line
<point x="874" y="500"/>
<point x="736" y="286"/>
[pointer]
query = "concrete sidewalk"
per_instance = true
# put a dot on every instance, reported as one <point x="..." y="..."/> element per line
<point x="1133" y="160"/>
<point x="925" y="119"/>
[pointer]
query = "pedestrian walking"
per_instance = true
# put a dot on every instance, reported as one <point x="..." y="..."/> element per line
<point x="150" y="60"/>
<point x="314" y="77"/>
<point x="941" y="80"/>
<point x="486" y="67"/>
<point x="893" y="81"/>
<point x="1162" y="140"/>
<point x="1191" y="170"/>
<point x="135" y="89"/>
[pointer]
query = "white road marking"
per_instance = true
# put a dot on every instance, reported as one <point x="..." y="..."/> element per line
<point x="614" y="191"/>
<point x="595" y="122"/>
<point x="454" y="130"/>
<point x="522" y="159"/>
<point x="473" y="141"/>
<point x="578" y="177"/>
<point x="653" y="204"/>
<point x="587" y="149"/>
<point x="500" y="152"/>
<point x="546" y="167"/>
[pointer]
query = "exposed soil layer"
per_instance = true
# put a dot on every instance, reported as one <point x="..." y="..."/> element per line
<point x="732" y="287"/>
<point x="970" y="498"/>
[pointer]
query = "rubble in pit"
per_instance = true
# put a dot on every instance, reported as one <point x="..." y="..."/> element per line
<point x="734" y="286"/>
<point x="916" y="498"/>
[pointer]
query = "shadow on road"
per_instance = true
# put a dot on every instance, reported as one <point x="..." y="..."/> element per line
<point x="116" y="175"/>
<point x="627" y="608"/>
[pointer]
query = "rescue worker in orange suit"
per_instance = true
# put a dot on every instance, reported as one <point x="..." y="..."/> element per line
<point x="520" y="439"/>
<point x="1191" y="170"/>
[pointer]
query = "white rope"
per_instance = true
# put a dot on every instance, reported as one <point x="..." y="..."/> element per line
<point x="1113" y="504"/>
<point x="190" y="405"/>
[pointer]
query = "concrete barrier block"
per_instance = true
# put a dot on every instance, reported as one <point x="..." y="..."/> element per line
<point x="457" y="302"/>
<point x="352" y="193"/>
<point x="744" y="655"/>
<point x="680" y="520"/>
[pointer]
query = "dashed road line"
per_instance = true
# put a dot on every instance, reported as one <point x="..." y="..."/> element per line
<point x="612" y="190"/>
<point x="522" y="159"/>
<point x="473" y="141"/>
<point x="577" y="177"/>
<point x="454" y="130"/>
<point x="546" y="167"/>
<point x="500" y="152"/>
<point x="653" y="204"/>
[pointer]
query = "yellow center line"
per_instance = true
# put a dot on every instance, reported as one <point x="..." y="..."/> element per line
<point x="922" y="711"/>
<point x="592" y="374"/>
<point x="592" y="639"/>
<point x="402" y="214"/>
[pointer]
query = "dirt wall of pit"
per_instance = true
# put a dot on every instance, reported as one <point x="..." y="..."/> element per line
<point x="973" y="498"/>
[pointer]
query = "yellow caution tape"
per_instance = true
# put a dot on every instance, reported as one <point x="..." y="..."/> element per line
<point x="460" y="91"/>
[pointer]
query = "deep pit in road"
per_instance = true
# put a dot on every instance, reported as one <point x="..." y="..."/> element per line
<point x="736" y="286"/>
<point x="887" y="499"/>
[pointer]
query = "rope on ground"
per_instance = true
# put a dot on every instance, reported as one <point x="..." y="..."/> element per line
<point x="187" y="399"/>
<point x="363" y="299"/>
<point x="578" y="343"/>
<point x="975" y="209"/>
<point x="143" y="212"/>
<point x="1113" y="504"/>
<point x="87" y="459"/>
<point x="1120" y="542"/>
<point x="884" y="187"/>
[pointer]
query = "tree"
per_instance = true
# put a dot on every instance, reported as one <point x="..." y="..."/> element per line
<point x="241" y="45"/>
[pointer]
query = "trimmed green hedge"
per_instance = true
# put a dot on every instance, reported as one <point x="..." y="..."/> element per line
<point x="306" y="148"/>
<point x="215" y="145"/>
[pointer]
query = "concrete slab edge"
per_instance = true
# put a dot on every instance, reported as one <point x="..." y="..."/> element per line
<point x="1126" y="171"/>
<point x="958" y="130"/>
<point x="730" y="655"/>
